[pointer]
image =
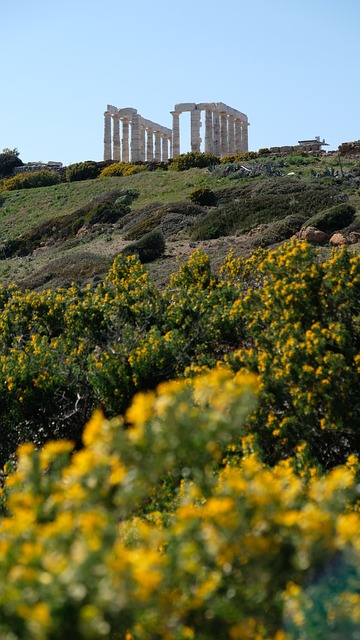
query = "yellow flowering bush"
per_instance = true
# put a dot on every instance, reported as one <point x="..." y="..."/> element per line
<point x="302" y="338"/>
<point x="284" y="315"/>
<point x="238" y="550"/>
<point x="121" y="169"/>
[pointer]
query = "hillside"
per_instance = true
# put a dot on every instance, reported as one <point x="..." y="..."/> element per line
<point x="55" y="235"/>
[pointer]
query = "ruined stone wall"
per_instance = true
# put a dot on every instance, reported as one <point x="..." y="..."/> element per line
<point x="33" y="167"/>
<point x="350" y="148"/>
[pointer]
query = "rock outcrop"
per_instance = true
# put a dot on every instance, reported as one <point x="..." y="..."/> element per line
<point x="338" y="239"/>
<point x="313" y="235"/>
<point x="352" y="148"/>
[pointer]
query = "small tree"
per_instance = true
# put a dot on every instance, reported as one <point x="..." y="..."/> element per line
<point x="9" y="159"/>
<point x="203" y="196"/>
<point x="150" y="247"/>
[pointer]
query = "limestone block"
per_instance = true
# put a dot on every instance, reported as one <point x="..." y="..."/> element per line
<point x="350" y="147"/>
<point x="337" y="240"/>
<point x="313" y="235"/>
<point x="126" y="112"/>
<point x="354" y="237"/>
<point x="185" y="106"/>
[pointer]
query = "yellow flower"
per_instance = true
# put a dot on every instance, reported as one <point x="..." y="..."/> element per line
<point x="348" y="528"/>
<point x="141" y="409"/>
<point x="118" y="471"/>
<point x="94" y="428"/>
<point x="38" y="613"/>
<point x="52" y="450"/>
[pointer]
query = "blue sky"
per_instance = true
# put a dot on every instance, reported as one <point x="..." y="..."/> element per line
<point x="292" y="66"/>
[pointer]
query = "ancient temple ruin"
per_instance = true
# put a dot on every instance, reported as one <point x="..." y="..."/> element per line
<point x="139" y="139"/>
<point x="226" y="129"/>
<point x="130" y="137"/>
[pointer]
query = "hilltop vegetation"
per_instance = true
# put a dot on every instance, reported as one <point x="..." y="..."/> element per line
<point x="242" y="202"/>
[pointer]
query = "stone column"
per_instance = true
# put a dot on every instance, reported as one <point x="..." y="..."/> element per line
<point x="135" y="138"/>
<point x="164" y="148"/>
<point x="142" y="142"/>
<point x="195" y="124"/>
<point x="125" y="140"/>
<point x="175" y="134"/>
<point x="208" y="132"/>
<point x="244" y="137"/>
<point x="149" y="145"/>
<point x="216" y="133"/>
<point x="158" y="146"/>
<point x="231" y="134"/>
<point x="237" y="135"/>
<point x="224" y="147"/>
<point x="107" y="136"/>
<point x="116" y="138"/>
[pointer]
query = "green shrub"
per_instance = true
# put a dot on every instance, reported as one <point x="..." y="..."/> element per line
<point x="333" y="219"/>
<point x="213" y="225"/>
<point x="82" y="171"/>
<point x="193" y="159"/>
<point x="203" y="196"/>
<point x="30" y="180"/>
<point x="229" y="158"/>
<point x="156" y="165"/>
<point x="15" y="247"/>
<point x="106" y="213"/>
<point x="277" y="231"/>
<point x="144" y="224"/>
<point x="121" y="169"/>
<point x="170" y="218"/>
<point x="300" y="158"/>
<point x="70" y="268"/>
<point x="354" y="226"/>
<point x="9" y="159"/>
<point x="126" y="196"/>
<point x="150" y="247"/>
